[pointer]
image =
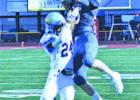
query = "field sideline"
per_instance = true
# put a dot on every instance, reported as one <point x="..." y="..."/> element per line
<point x="23" y="73"/>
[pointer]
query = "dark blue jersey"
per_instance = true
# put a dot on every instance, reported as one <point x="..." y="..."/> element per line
<point x="86" y="16"/>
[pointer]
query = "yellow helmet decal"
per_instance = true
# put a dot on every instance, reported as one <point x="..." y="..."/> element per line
<point x="48" y="21"/>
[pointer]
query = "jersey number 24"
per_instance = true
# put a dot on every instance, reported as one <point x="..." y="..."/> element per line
<point x="66" y="48"/>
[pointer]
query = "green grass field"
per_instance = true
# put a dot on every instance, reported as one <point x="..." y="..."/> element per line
<point x="23" y="73"/>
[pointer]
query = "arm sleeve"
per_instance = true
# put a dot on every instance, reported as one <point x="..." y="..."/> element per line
<point x="48" y="39"/>
<point x="89" y="4"/>
<point x="94" y="3"/>
<point x="56" y="42"/>
<point x="84" y="2"/>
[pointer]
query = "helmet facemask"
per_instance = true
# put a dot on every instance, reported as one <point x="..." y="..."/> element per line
<point x="55" y="29"/>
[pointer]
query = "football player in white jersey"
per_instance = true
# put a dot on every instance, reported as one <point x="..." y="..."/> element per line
<point x="57" y="43"/>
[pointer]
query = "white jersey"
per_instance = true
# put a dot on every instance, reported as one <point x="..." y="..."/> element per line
<point x="61" y="54"/>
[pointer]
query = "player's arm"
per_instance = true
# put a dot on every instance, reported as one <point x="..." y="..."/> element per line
<point x="51" y="40"/>
<point x="57" y="41"/>
<point x="73" y="17"/>
<point x="94" y="4"/>
<point x="91" y="4"/>
<point x="83" y="2"/>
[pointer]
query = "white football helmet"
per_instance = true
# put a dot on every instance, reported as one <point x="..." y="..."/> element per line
<point x="54" y="21"/>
